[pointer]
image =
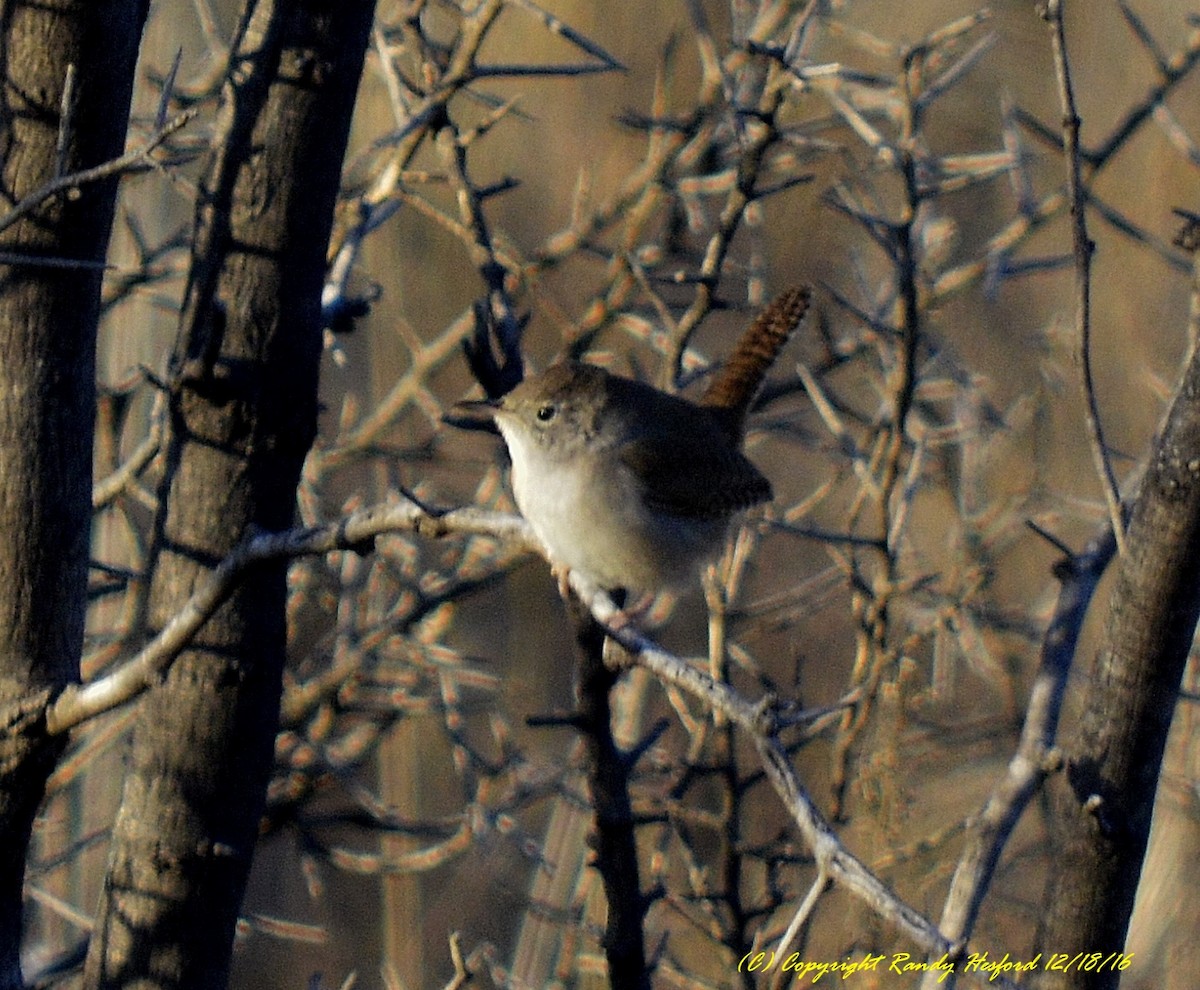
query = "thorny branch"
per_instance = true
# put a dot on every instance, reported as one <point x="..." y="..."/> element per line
<point x="1036" y="756"/>
<point x="358" y="532"/>
<point x="761" y="722"/>
<point x="716" y="162"/>
<point x="355" y="533"/>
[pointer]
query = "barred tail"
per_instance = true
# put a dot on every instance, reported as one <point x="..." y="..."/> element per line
<point x="733" y="388"/>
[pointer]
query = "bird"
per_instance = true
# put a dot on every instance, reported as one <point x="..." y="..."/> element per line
<point x="629" y="486"/>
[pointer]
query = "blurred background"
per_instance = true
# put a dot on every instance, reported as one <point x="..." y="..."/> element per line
<point x="600" y="154"/>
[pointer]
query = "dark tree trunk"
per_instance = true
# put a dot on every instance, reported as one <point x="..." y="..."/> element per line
<point x="1102" y="804"/>
<point x="243" y="408"/>
<point x="614" y="836"/>
<point x="48" y="318"/>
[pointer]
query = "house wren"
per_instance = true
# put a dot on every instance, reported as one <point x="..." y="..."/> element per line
<point x="630" y="486"/>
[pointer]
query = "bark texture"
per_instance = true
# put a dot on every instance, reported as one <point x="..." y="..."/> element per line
<point x="614" y="836"/>
<point x="243" y="411"/>
<point x="1102" y="804"/>
<point x="48" y="318"/>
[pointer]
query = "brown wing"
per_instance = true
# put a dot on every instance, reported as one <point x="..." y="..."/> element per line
<point x="682" y="458"/>
<point x="706" y="482"/>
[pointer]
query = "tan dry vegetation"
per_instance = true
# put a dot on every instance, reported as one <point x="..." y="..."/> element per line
<point x="430" y="716"/>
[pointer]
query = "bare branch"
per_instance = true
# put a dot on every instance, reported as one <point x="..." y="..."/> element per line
<point x="133" y="160"/>
<point x="1035" y="757"/>
<point x="760" y="722"/>
<point x="80" y="702"/>
<point x="1083" y="248"/>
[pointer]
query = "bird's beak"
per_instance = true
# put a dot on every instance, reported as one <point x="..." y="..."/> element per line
<point x="476" y="414"/>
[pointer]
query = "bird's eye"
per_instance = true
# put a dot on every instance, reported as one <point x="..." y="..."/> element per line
<point x="546" y="413"/>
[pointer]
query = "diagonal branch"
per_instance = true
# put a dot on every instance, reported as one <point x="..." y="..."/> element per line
<point x="761" y="722"/>
<point x="1036" y="756"/>
<point x="135" y="159"/>
<point x="356" y="532"/>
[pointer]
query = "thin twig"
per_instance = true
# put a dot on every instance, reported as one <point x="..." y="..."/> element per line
<point x="1035" y="757"/>
<point x="108" y="488"/>
<point x="357" y="532"/>
<point x="1083" y="249"/>
<point x="134" y="159"/>
<point x="46" y="261"/>
<point x="819" y="885"/>
<point x="759" y="722"/>
<point x="77" y="703"/>
<point x="66" y="120"/>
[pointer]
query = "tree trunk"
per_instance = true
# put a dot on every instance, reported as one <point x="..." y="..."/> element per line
<point x="1102" y="804"/>
<point x="48" y="318"/>
<point x="242" y="410"/>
